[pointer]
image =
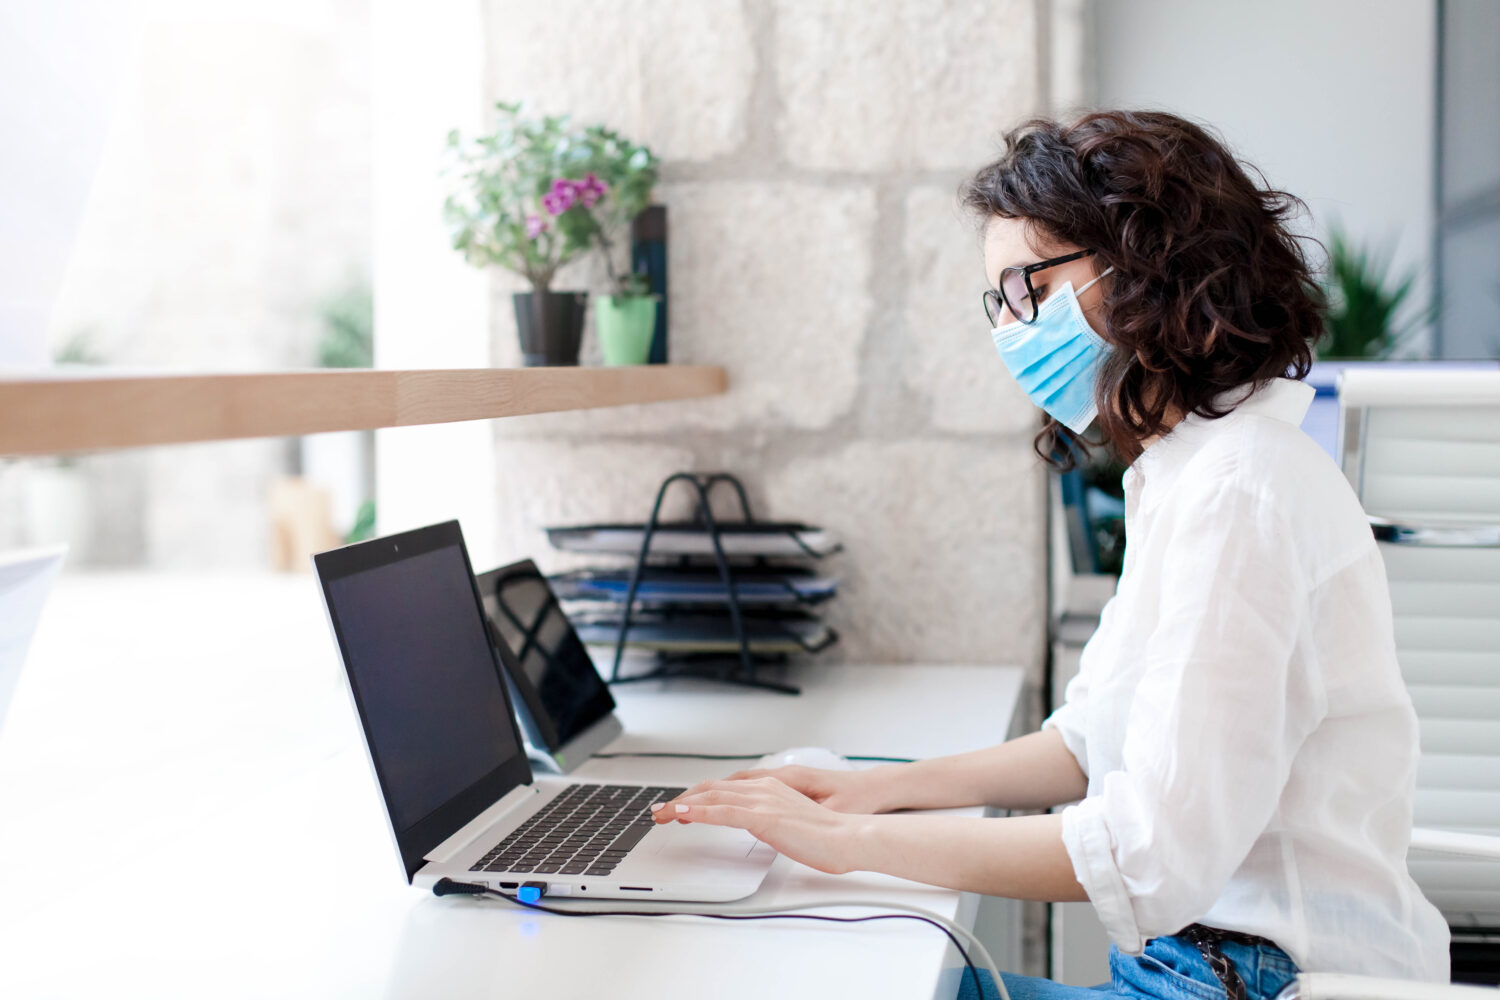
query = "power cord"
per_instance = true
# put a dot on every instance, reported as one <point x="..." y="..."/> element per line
<point x="452" y="887"/>
<point x="737" y="756"/>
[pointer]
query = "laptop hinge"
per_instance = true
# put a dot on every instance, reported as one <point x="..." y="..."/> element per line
<point x="466" y="834"/>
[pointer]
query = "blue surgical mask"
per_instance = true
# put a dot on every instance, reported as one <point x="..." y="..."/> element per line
<point x="1056" y="358"/>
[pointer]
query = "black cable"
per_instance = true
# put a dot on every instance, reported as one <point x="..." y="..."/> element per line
<point x="737" y="756"/>
<point x="452" y="887"/>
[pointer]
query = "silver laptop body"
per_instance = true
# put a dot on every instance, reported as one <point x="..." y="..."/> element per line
<point x="447" y="754"/>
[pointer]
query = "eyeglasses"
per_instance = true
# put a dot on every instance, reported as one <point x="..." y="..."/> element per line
<point x="1016" y="293"/>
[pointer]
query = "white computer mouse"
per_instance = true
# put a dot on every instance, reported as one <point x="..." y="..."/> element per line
<point x="820" y="757"/>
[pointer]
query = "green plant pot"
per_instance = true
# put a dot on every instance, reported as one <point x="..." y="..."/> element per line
<point x="626" y="324"/>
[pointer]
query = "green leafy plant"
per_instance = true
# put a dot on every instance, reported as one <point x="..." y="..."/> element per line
<point x="1363" y="303"/>
<point x="78" y="349"/>
<point x="364" y="524"/>
<point x="348" y="341"/>
<point x="537" y="193"/>
<point x="348" y="319"/>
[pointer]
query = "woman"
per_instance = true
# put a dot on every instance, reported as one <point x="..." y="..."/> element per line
<point x="1238" y="743"/>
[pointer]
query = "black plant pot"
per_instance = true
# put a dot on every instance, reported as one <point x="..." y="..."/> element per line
<point x="550" y="325"/>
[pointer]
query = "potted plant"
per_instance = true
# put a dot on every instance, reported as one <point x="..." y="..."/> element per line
<point x="55" y="490"/>
<point x="535" y="194"/>
<point x="626" y="319"/>
<point x="1363" y="301"/>
<point x="345" y="460"/>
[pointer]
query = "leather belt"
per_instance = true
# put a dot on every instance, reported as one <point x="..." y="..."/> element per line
<point x="1207" y="939"/>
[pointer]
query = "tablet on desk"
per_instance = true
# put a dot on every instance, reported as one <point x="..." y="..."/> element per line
<point x="565" y="708"/>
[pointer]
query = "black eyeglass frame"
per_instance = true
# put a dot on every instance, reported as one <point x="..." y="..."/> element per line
<point x="997" y="295"/>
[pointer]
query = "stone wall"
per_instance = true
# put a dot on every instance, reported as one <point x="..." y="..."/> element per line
<point x="813" y="152"/>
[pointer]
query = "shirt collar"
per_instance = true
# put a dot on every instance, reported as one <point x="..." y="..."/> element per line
<point x="1280" y="399"/>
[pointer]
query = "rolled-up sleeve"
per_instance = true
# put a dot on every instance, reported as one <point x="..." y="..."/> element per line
<point x="1069" y="717"/>
<point x="1068" y="721"/>
<point x="1213" y="726"/>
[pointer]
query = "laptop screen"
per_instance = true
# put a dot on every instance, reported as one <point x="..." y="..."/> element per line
<point x="557" y="676"/>
<point x="436" y="716"/>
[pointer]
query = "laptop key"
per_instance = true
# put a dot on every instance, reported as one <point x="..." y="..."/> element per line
<point x="574" y="869"/>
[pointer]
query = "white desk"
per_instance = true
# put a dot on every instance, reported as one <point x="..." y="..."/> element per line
<point x="137" y="754"/>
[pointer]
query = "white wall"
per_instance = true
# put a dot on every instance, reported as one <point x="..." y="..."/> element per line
<point x="61" y="65"/>
<point x="431" y="309"/>
<point x="1332" y="99"/>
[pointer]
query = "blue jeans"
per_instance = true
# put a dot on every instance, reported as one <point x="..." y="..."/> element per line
<point x="1170" y="969"/>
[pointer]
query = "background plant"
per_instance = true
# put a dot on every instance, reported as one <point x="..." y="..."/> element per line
<point x="537" y="193"/>
<point x="348" y="341"/>
<point x="78" y="349"/>
<point x="348" y="321"/>
<point x="1363" y="301"/>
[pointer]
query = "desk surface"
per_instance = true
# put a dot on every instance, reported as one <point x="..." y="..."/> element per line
<point x="187" y="811"/>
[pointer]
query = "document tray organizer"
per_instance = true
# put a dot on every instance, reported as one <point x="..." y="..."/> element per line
<point x="751" y="640"/>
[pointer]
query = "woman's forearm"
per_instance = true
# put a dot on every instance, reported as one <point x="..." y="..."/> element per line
<point x="1020" y="857"/>
<point x="1036" y="771"/>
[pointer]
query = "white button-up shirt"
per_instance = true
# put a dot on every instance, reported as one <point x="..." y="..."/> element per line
<point x="1250" y="746"/>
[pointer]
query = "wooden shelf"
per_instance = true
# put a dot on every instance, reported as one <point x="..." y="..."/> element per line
<point x="47" y="413"/>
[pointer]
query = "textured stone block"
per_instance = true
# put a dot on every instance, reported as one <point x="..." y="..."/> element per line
<point x="552" y="482"/>
<point x="954" y="361"/>
<point x="770" y="281"/>
<point x="908" y="84"/>
<point x="675" y="76"/>
<point x="944" y="548"/>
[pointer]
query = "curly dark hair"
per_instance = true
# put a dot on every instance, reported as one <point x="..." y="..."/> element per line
<point x="1211" y="290"/>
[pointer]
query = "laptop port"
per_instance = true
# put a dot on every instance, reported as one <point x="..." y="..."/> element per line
<point x="509" y="885"/>
<point x="634" y="888"/>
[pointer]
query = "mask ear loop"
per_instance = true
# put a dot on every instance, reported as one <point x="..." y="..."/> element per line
<point x="1089" y="284"/>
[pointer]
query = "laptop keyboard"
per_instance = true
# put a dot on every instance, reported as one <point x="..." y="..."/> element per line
<point x="587" y="830"/>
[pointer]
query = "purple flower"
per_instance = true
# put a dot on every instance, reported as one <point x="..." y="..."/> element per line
<point x="561" y="198"/>
<point x="591" y="189"/>
<point x="535" y="226"/>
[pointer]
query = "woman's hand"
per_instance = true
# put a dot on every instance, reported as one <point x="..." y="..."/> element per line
<point x="774" y="813"/>
<point x="841" y="791"/>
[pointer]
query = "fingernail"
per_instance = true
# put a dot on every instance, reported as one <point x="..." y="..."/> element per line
<point x="656" y="805"/>
<point x="681" y="808"/>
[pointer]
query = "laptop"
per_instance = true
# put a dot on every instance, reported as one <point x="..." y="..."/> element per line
<point x="461" y="798"/>
<point x="25" y="578"/>
<point x="565" y="708"/>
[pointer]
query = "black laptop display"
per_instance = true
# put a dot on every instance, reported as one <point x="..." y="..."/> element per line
<point x="548" y="664"/>
<point x="437" y="719"/>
